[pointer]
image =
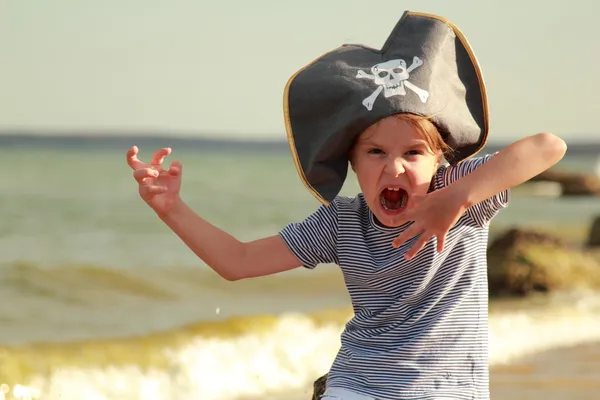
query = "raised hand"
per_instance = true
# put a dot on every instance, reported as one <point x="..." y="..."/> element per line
<point x="158" y="187"/>
<point x="433" y="215"/>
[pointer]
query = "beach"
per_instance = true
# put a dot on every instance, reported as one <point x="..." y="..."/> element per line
<point x="101" y="301"/>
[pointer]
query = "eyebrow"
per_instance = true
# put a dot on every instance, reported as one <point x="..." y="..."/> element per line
<point x="419" y="143"/>
<point x="367" y="142"/>
<point x="413" y="144"/>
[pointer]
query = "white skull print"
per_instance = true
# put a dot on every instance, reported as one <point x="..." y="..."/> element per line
<point x="391" y="77"/>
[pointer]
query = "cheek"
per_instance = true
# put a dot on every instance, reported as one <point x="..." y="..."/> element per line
<point x="421" y="174"/>
<point x="364" y="179"/>
<point x="367" y="175"/>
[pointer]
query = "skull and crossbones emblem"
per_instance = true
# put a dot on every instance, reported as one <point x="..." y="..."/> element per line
<point x="391" y="77"/>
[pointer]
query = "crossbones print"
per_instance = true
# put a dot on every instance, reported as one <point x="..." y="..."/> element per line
<point x="392" y="77"/>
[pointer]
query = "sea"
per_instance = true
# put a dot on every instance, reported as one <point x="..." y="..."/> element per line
<point x="99" y="300"/>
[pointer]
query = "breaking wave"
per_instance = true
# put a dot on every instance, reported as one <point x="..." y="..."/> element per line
<point x="250" y="357"/>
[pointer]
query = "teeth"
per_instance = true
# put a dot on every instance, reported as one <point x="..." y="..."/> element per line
<point x="403" y="202"/>
<point x="394" y="189"/>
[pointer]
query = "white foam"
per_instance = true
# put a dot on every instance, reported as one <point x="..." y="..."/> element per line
<point x="289" y="357"/>
<point x="517" y="334"/>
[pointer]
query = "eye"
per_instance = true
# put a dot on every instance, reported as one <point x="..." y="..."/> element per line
<point x="375" y="151"/>
<point x="414" y="152"/>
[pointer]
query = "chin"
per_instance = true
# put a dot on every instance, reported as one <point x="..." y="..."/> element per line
<point x="388" y="221"/>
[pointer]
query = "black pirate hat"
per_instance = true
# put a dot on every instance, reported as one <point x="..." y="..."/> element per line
<point x="426" y="67"/>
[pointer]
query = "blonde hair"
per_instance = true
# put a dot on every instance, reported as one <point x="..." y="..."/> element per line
<point x="428" y="131"/>
<point x="426" y="128"/>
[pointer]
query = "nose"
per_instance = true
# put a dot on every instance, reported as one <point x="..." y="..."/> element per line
<point x="394" y="167"/>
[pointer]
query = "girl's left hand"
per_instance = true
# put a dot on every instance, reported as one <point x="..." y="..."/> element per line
<point x="433" y="215"/>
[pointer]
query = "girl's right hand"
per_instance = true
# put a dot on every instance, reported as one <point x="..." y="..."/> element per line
<point x="158" y="187"/>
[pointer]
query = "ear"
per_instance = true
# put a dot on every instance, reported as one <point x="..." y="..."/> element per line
<point x="351" y="155"/>
<point x="439" y="160"/>
<point x="352" y="166"/>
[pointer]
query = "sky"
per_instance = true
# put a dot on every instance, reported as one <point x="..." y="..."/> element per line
<point x="219" y="68"/>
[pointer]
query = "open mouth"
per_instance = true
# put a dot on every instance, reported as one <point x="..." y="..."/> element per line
<point x="393" y="199"/>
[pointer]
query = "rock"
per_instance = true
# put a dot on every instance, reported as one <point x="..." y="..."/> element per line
<point x="580" y="185"/>
<point x="549" y="176"/>
<point x="542" y="189"/>
<point x="524" y="261"/>
<point x="319" y="387"/>
<point x="594" y="235"/>
<point x="571" y="184"/>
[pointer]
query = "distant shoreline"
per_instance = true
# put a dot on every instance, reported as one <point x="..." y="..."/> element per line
<point x="116" y="141"/>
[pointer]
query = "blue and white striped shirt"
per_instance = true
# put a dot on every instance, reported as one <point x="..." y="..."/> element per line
<point x="420" y="327"/>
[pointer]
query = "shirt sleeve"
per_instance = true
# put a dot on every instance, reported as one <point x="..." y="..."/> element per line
<point x="314" y="240"/>
<point x="482" y="213"/>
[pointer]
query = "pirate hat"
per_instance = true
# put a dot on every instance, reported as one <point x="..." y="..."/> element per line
<point x="426" y="67"/>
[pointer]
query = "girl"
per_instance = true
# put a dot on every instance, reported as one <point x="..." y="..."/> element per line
<point x="412" y="244"/>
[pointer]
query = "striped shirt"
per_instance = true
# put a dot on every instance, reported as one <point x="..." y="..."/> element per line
<point x="420" y="327"/>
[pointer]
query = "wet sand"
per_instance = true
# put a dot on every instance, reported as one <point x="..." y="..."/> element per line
<point x="571" y="373"/>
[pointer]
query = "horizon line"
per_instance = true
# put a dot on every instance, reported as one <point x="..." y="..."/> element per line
<point x="200" y="136"/>
<point x="81" y="141"/>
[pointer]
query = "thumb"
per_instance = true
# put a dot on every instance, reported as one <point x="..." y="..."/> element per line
<point x="412" y="210"/>
<point x="416" y="200"/>
<point x="405" y="217"/>
<point x="176" y="168"/>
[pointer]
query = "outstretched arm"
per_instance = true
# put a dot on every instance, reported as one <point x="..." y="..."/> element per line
<point x="226" y="255"/>
<point x="512" y="166"/>
<point x="436" y="213"/>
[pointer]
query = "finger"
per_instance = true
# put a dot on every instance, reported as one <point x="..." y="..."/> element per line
<point x="141" y="174"/>
<point x="175" y="168"/>
<point x="155" y="189"/>
<point x="441" y="240"/>
<point x="418" y="246"/>
<point x="132" y="159"/>
<point x="159" y="156"/>
<point x="413" y="231"/>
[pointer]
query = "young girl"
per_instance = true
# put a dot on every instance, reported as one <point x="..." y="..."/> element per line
<point x="412" y="245"/>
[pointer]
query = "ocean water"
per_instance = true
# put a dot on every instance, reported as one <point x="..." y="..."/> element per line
<point x="100" y="300"/>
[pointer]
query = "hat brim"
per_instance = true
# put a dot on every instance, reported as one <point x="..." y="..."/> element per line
<point x="325" y="105"/>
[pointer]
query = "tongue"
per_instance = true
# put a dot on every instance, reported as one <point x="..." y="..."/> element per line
<point x="392" y="195"/>
<point x="392" y="199"/>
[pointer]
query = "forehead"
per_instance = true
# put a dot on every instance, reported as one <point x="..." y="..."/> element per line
<point x="390" y="130"/>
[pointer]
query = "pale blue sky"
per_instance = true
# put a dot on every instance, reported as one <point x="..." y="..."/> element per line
<point x="193" y="66"/>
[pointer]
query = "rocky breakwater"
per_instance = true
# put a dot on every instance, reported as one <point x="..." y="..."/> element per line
<point x="524" y="261"/>
<point x="593" y="240"/>
<point x="571" y="184"/>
